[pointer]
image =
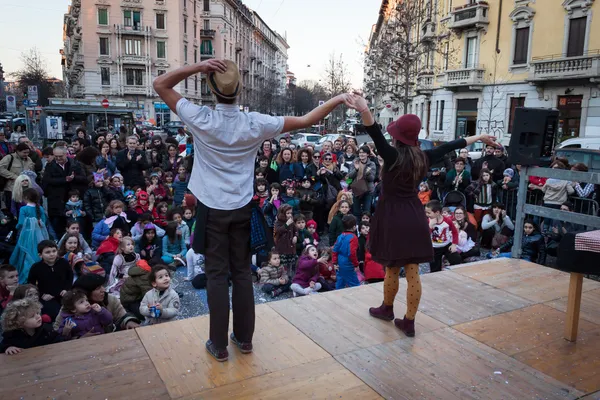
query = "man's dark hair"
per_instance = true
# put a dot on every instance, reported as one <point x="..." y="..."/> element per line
<point x="22" y="147"/>
<point x="223" y="100"/>
<point x="155" y="270"/>
<point x="349" y="222"/>
<point x="434" y="205"/>
<point x="46" y="244"/>
<point x="363" y="223"/>
<point x="72" y="297"/>
<point x="299" y="217"/>
<point x="5" y="269"/>
<point x="569" y="205"/>
<point x="82" y="142"/>
<point x="48" y="151"/>
<point x="460" y="159"/>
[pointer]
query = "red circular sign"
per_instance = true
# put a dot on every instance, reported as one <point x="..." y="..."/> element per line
<point x="105" y="103"/>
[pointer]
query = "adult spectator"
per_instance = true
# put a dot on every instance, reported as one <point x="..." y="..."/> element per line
<point x="287" y="166"/>
<point x="491" y="162"/>
<point x="79" y="144"/>
<point x="464" y="154"/>
<point x="5" y="147"/>
<point x="267" y="150"/>
<point x="338" y="147"/>
<point x="99" y="139"/>
<point x="87" y="159"/>
<point x="132" y="164"/>
<point x="172" y="161"/>
<point x="61" y="176"/>
<point x="583" y="190"/>
<point x="500" y="153"/>
<point x="458" y="178"/>
<point x="329" y="175"/>
<point x="305" y="163"/>
<point x="328" y="148"/>
<point x="12" y="166"/>
<point x="105" y="160"/>
<point x="346" y="160"/>
<point x="34" y="153"/>
<point x="362" y="172"/>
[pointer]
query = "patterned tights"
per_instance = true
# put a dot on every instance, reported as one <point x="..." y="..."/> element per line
<point x="413" y="291"/>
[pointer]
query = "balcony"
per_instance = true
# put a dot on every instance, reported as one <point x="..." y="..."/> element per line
<point x="136" y="30"/>
<point x="238" y="46"/>
<point x="470" y="16"/>
<point x="471" y="78"/>
<point x="79" y="59"/>
<point x="134" y="89"/>
<point x="78" y="91"/>
<point x="132" y="59"/>
<point x="207" y="98"/>
<point x="205" y="54"/>
<point x="425" y="83"/>
<point x="207" y="33"/>
<point x="428" y="31"/>
<point x="559" y="67"/>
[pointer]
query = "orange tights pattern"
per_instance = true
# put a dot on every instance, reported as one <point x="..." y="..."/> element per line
<point x="413" y="292"/>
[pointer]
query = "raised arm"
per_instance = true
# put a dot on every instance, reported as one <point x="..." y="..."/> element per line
<point x="313" y="117"/>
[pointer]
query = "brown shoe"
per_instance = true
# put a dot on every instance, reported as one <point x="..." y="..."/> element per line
<point x="245" y="348"/>
<point x="406" y="325"/>
<point x="383" y="312"/>
<point x="219" y="354"/>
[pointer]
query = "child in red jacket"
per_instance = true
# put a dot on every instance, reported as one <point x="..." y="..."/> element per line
<point x="345" y="254"/>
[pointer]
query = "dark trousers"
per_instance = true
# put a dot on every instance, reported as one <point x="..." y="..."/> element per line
<point x="268" y="288"/>
<point x="362" y="204"/>
<point x="438" y="253"/>
<point x="51" y="307"/>
<point x="59" y="223"/>
<point x="134" y="308"/>
<point x="227" y="251"/>
<point x="474" y="252"/>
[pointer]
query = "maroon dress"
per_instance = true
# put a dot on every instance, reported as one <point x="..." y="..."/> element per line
<point x="400" y="229"/>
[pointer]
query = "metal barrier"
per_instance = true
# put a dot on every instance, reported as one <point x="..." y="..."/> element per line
<point x="581" y="218"/>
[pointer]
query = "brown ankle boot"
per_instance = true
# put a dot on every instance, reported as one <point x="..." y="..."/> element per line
<point x="382" y="312"/>
<point x="406" y="325"/>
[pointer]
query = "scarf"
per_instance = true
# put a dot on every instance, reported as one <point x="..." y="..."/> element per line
<point x="111" y="220"/>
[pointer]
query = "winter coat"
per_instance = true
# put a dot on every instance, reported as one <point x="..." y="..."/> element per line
<point x="293" y="202"/>
<point x="51" y="279"/>
<point x="270" y="212"/>
<point x="109" y="163"/>
<point x="335" y="228"/>
<point x="102" y="230"/>
<point x="174" y="249"/>
<point x="307" y="271"/>
<point x="169" y="301"/>
<point x="132" y="170"/>
<point x="75" y="208"/>
<point x="477" y="192"/>
<point x="303" y="236"/>
<point x="283" y="237"/>
<point x="368" y="174"/>
<point x="270" y="274"/>
<point x="345" y="251"/>
<point x="95" y="201"/>
<point x="462" y="186"/>
<point x="290" y="171"/>
<point x="137" y="231"/>
<point x="17" y="166"/>
<point x="135" y="286"/>
<point x="310" y="170"/>
<point x="92" y="321"/>
<point x="43" y="336"/>
<point x="308" y="205"/>
<point x="557" y="191"/>
<point x="56" y="186"/>
<point x="533" y="247"/>
<point x="494" y="164"/>
<point x="179" y="190"/>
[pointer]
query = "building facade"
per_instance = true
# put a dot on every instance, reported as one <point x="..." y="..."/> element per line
<point x="115" y="49"/>
<point x="503" y="55"/>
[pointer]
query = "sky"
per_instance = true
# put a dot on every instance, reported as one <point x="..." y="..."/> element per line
<point x="314" y="28"/>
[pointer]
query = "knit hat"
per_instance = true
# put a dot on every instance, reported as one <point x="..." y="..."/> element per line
<point x="98" y="177"/>
<point x="190" y="200"/>
<point x="143" y="195"/>
<point x="311" y="224"/>
<point x="406" y="129"/>
<point x="89" y="283"/>
<point x="143" y="264"/>
<point x="509" y="172"/>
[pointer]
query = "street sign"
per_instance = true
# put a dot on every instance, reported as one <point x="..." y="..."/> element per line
<point x="11" y="104"/>
<point x="26" y="103"/>
<point x="105" y="103"/>
<point x="32" y="93"/>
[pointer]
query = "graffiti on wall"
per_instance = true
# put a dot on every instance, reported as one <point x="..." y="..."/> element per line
<point x="494" y="127"/>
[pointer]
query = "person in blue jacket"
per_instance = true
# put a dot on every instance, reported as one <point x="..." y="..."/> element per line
<point x="287" y="167"/>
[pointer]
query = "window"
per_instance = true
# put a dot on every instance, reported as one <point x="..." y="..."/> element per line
<point x="185" y="83"/>
<point x="134" y="77"/>
<point x="127" y="21"/>
<point x="161" y="72"/>
<point x="133" y="47"/>
<point x="104" y="46"/>
<point x="185" y="58"/>
<point x="161" y="50"/>
<point x="195" y="30"/>
<point x="446" y="55"/>
<point x="441" y="113"/>
<point x="471" y="52"/>
<point x="196" y="84"/>
<point x="521" y="46"/>
<point x="577" y="28"/>
<point x="105" y="76"/>
<point x="185" y="25"/>
<point x="160" y="21"/>
<point x="185" y="4"/>
<point x="206" y="47"/>
<point x="514" y="103"/>
<point x="207" y="24"/>
<point x="195" y="55"/>
<point x="102" y="16"/>
<point x="195" y="8"/>
<point x="206" y="5"/>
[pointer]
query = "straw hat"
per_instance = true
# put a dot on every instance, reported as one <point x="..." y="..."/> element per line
<point x="227" y="84"/>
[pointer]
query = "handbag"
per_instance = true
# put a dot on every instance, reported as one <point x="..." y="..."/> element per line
<point x="359" y="187"/>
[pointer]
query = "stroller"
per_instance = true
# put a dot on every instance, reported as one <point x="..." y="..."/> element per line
<point x="453" y="199"/>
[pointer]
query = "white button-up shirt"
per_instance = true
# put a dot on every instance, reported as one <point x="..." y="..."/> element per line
<point x="226" y="142"/>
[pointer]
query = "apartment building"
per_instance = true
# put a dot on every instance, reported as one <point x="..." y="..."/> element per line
<point x="502" y="54"/>
<point x="114" y="49"/>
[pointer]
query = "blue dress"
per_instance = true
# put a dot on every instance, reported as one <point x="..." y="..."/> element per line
<point x="30" y="234"/>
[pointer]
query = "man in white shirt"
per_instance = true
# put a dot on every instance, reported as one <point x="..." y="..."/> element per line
<point x="226" y="141"/>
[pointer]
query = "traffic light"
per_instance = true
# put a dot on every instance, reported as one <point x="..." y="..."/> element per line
<point x="25" y="94"/>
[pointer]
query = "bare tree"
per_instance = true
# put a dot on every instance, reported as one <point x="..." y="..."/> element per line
<point x="405" y="48"/>
<point x="306" y="96"/>
<point x="337" y="81"/>
<point x="492" y="111"/>
<point x="34" y="73"/>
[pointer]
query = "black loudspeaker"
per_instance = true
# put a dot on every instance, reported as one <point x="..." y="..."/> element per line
<point x="533" y="136"/>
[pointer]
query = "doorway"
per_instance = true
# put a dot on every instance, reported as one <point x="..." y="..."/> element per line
<point x="466" y="117"/>
<point x="569" y="117"/>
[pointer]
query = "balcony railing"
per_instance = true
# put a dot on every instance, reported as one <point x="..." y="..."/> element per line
<point x="79" y="59"/>
<point x="428" y="32"/>
<point x="470" y="16"/>
<point x="425" y="83"/>
<point x="464" y="77"/>
<point x="137" y="29"/>
<point x="238" y="46"/>
<point x="78" y="91"/>
<point x="133" y="59"/>
<point x="559" y="67"/>
<point x="134" y="89"/>
<point x="207" y="97"/>
<point x="207" y="33"/>
<point x="205" y="54"/>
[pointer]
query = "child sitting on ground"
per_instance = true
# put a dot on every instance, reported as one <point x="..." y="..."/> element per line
<point x="137" y="230"/>
<point x="345" y="254"/>
<point x="188" y="219"/>
<point x="149" y="246"/>
<point x="444" y="236"/>
<point x="23" y="327"/>
<point x="135" y="287"/>
<point x="273" y="277"/>
<point x="74" y="206"/>
<point x="125" y="258"/>
<point x="73" y="229"/>
<point x="108" y="249"/>
<point x="176" y="215"/>
<point x="53" y="277"/>
<point x="327" y="273"/>
<point x="424" y="193"/>
<point x="304" y="236"/>
<point x="173" y="246"/>
<point x="160" y="214"/>
<point x="79" y="317"/>
<point x="9" y="280"/>
<point x="115" y="217"/>
<point x="160" y="304"/>
<point x="306" y="280"/>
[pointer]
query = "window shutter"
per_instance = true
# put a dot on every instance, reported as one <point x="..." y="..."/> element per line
<point x="576" y="44"/>
<point x="521" y="46"/>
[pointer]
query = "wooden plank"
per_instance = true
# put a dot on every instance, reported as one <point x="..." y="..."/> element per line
<point x="520" y="330"/>
<point x="525" y="279"/>
<point x="445" y="364"/>
<point x="65" y="360"/>
<point x="325" y="378"/>
<point x="576" y="364"/>
<point x="452" y="298"/>
<point x="591" y="396"/>
<point x="590" y="304"/>
<point x="131" y="379"/>
<point x="573" y="306"/>
<point x="178" y="352"/>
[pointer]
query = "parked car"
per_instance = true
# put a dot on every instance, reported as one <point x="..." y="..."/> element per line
<point x="329" y="137"/>
<point x="580" y="143"/>
<point x="171" y="127"/>
<point x="303" y="139"/>
<point x="589" y="157"/>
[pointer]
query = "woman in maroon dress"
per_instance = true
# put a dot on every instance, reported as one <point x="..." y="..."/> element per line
<point x="400" y="235"/>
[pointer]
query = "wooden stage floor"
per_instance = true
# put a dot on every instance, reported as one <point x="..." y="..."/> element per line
<point x="490" y="330"/>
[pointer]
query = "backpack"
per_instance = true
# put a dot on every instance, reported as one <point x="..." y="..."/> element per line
<point x="4" y="180"/>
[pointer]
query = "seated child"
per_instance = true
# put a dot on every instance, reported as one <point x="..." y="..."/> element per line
<point x="304" y="236"/>
<point x="73" y="228"/>
<point x="424" y="193"/>
<point x="137" y="230"/>
<point x="195" y="269"/>
<point x="125" y="258"/>
<point x="149" y="246"/>
<point x="23" y="327"/>
<point x="108" y="249"/>
<point x="160" y="214"/>
<point x="161" y="303"/>
<point x="306" y="279"/>
<point x="79" y="317"/>
<point x="53" y="277"/>
<point x="533" y="247"/>
<point x="345" y="253"/>
<point x="312" y="229"/>
<point x="9" y="280"/>
<point x="135" y="287"/>
<point x="188" y="218"/>
<point x="444" y="236"/>
<point x="115" y="217"/>
<point x="327" y="273"/>
<point x="273" y="278"/>
<point x="176" y="215"/>
<point x="173" y="246"/>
